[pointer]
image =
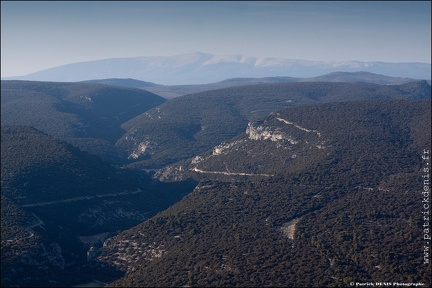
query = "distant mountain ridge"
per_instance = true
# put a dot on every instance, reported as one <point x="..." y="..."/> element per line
<point x="172" y="91"/>
<point x="122" y="82"/>
<point x="200" y="68"/>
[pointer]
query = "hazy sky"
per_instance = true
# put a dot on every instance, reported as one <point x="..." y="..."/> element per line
<point x="40" y="35"/>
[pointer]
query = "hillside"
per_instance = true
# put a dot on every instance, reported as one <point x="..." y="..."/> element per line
<point x="84" y="114"/>
<point x="283" y="169"/>
<point x="123" y="82"/>
<point x="172" y="91"/>
<point x="360" y="76"/>
<point x="24" y="249"/>
<point x="33" y="161"/>
<point x="201" y="68"/>
<point x="353" y="216"/>
<point x="289" y="141"/>
<point x="53" y="194"/>
<point x="189" y="125"/>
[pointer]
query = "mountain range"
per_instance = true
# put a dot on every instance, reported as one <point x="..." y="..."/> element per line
<point x="272" y="181"/>
<point x="172" y="91"/>
<point x="201" y="68"/>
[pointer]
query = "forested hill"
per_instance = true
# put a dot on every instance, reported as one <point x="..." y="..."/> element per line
<point x="53" y="194"/>
<point x="37" y="167"/>
<point x="84" y="114"/>
<point x="172" y="91"/>
<point x="40" y="172"/>
<point x="189" y="125"/>
<point x="123" y="82"/>
<point x="351" y="217"/>
<point x="293" y="139"/>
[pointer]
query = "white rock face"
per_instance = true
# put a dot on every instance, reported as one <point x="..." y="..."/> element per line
<point x="289" y="228"/>
<point x="223" y="147"/>
<point x="197" y="159"/>
<point x="171" y="173"/>
<point x="260" y="131"/>
<point x="142" y="148"/>
<point x="299" y="127"/>
<point x="268" y="133"/>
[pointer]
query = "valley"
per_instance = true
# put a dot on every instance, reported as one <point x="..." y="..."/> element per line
<point x="244" y="182"/>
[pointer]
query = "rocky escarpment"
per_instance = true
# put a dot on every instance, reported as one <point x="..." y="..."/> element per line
<point x="265" y="148"/>
<point x="139" y="148"/>
<point x="263" y="132"/>
<point x="142" y="149"/>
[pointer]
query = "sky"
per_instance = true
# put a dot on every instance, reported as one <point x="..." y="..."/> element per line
<point x="38" y="35"/>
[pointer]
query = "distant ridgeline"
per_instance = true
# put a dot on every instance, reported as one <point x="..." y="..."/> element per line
<point x="201" y="68"/>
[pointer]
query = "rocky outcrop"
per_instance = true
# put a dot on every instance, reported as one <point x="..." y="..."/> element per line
<point x="274" y="142"/>
<point x="143" y="148"/>
<point x="255" y="131"/>
<point x="223" y="147"/>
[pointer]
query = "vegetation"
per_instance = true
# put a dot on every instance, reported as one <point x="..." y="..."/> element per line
<point x="123" y="82"/>
<point x="353" y="215"/>
<point x="303" y="136"/>
<point x="321" y="190"/>
<point x="189" y="125"/>
<point x="83" y="114"/>
<point x="173" y="91"/>
<point x="52" y="193"/>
